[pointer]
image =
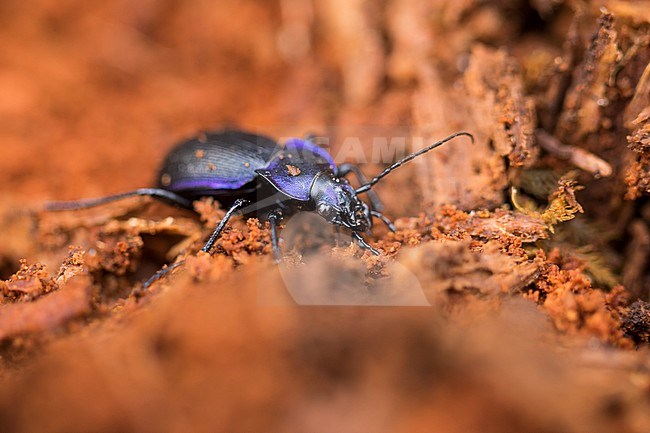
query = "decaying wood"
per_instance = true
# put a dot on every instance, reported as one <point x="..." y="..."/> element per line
<point x="587" y="95"/>
<point x="453" y="268"/>
<point x="48" y="312"/>
<point x="500" y="108"/>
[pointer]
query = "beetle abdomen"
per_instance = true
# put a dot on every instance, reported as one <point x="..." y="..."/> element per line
<point x="224" y="160"/>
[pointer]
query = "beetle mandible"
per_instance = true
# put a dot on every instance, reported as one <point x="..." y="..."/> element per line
<point x="252" y="173"/>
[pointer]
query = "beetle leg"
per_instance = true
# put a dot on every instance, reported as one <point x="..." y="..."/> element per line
<point x="157" y="193"/>
<point x="337" y="235"/>
<point x="273" y="221"/>
<point x="206" y="248"/>
<point x="347" y="168"/>
<point x="363" y="244"/>
<point x="161" y="273"/>
<point x="239" y="203"/>
<point x="384" y="219"/>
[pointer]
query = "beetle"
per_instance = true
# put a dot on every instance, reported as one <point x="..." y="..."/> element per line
<point x="253" y="173"/>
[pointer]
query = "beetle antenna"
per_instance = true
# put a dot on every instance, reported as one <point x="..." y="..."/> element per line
<point x="366" y="187"/>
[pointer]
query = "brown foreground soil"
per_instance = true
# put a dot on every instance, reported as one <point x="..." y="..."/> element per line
<point x="514" y="295"/>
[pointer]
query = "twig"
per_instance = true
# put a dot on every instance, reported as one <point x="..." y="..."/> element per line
<point x="577" y="156"/>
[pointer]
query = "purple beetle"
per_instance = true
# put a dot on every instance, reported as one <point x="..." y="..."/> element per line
<point x="252" y="173"/>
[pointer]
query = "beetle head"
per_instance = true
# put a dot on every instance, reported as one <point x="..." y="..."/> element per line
<point x="337" y="202"/>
